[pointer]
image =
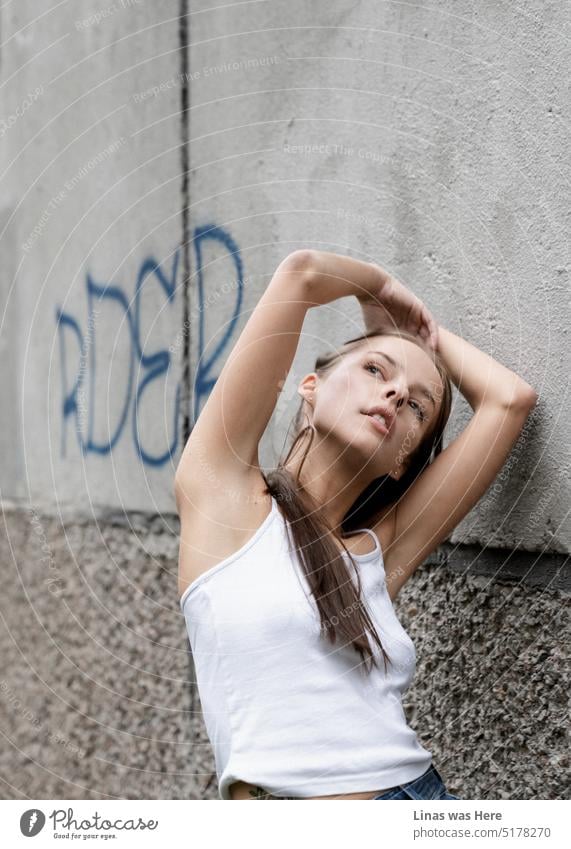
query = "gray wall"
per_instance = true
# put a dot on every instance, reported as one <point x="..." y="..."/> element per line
<point x="154" y="173"/>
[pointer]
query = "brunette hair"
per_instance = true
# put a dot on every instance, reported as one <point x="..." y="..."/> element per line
<point x="338" y="601"/>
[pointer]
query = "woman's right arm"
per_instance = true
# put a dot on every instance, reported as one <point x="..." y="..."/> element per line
<point x="223" y="445"/>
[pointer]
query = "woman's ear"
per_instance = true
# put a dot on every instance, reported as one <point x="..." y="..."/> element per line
<point x="306" y="388"/>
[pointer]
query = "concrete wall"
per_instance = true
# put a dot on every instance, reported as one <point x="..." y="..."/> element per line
<point x="92" y="212"/>
<point x="155" y="171"/>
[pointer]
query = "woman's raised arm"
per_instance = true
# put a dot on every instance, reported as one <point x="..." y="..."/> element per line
<point x="223" y="444"/>
<point x="460" y="475"/>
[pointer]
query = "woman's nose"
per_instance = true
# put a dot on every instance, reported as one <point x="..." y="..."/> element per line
<point x="396" y="393"/>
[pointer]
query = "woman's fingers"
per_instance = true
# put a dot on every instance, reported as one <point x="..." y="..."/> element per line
<point x="434" y="332"/>
<point x="429" y="326"/>
<point x="416" y="315"/>
<point x="403" y="308"/>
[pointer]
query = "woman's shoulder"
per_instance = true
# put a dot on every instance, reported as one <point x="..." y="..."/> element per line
<point x="218" y="523"/>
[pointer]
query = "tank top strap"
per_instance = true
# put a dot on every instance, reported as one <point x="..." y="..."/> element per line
<point x="375" y="539"/>
<point x="377" y="549"/>
<point x="373" y="535"/>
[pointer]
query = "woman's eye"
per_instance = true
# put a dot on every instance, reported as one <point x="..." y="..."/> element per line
<point x="419" y="411"/>
<point x="375" y="367"/>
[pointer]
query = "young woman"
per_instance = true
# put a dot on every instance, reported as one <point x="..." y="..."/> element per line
<point x="287" y="578"/>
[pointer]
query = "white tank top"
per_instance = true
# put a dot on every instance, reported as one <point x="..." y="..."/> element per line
<point x="285" y="709"/>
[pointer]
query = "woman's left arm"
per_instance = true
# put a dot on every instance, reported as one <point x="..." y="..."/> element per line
<point x="480" y="378"/>
<point x="454" y="482"/>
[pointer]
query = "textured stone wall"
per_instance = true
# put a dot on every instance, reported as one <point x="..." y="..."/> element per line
<point x="95" y="697"/>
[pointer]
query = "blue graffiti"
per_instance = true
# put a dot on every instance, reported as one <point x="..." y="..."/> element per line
<point x="151" y="366"/>
<point x="204" y="382"/>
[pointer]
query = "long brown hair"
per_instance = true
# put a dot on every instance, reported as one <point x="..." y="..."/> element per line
<point x="338" y="601"/>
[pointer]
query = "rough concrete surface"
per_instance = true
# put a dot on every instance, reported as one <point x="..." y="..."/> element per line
<point x="95" y="694"/>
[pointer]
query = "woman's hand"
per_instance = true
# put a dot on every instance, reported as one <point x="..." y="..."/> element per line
<point x="395" y="306"/>
<point x="386" y="303"/>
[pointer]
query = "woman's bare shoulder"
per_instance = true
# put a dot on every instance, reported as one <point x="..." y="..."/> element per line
<point x="218" y="522"/>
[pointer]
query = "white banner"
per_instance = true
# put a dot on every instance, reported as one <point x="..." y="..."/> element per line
<point x="127" y="823"/>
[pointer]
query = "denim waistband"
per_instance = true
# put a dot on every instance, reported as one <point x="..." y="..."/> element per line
<point x="429" y="785"/>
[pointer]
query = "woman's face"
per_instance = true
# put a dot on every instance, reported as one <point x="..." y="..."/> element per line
<point x="384" y="372"/>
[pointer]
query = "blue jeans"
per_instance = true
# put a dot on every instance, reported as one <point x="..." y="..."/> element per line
<point x="429" y="785"/>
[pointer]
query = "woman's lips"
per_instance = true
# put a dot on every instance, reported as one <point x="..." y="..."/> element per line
<point x="378" y="425"/>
